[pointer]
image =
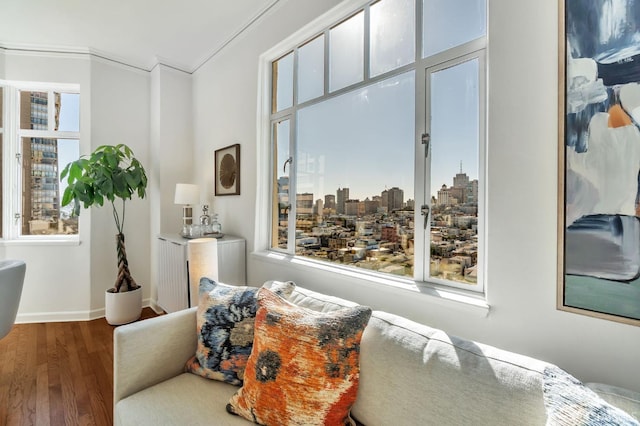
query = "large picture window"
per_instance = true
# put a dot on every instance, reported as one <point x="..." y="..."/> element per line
<point x="377" y="142"/>
<point x="41" y="136"/>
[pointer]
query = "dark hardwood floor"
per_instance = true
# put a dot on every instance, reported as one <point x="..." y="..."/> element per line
<point x="58" y="373"/>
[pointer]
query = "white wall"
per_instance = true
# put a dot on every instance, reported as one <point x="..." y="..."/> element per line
<point x="57" y="282"/>
<point x="2" y="63"/>
<point x="522" y="193"/>
<point x="66" y="282"/>
<point x="171" y="154"/>
<point x="120" y="113"/>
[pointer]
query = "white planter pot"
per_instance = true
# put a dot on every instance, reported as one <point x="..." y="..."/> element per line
<point x="123" y="308"/>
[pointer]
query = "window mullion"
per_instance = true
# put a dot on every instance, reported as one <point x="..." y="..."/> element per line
<point x="421" y="162"/>
<point x="367" y="44"/>
<point x="51" y="111"/>
<point x="419" y="30"/>
<point x="293" y="192"/>
<point x="14" y="166"/>
<point x="327" y="46"/>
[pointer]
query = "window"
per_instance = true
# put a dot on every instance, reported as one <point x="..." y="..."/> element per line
<point x="377" y="142"/>
<point x="41" y="136"/>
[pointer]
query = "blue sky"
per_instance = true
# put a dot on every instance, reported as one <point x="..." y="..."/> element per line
<point x="365" y="139"/>
<point x="68" y="149"/>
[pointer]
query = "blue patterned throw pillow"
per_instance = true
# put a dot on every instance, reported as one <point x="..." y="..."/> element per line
<point x="569" y="403"/>
<point x="224" y="324"/>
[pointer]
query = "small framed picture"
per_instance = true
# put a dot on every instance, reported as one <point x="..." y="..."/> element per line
<point x="227" y="170"/>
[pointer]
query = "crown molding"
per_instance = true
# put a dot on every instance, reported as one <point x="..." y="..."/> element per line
<point x="72" y="51"/>
<point x="57" y="50"/>
<point x="235" y="35"/>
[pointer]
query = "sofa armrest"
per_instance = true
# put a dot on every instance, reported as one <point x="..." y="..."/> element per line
<point x="148" y="352"/>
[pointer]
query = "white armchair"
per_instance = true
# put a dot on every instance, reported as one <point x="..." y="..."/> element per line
<point x="11" y="281"/>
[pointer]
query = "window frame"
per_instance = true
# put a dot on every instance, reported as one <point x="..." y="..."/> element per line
<point x="12" y="164"/>
<point x="265" y="120"/>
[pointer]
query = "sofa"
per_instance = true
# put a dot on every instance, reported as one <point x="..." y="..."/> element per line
<point x="410" y="374"/>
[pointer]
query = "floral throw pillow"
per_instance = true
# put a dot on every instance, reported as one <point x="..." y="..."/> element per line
<point x="224" y="324"/>
<point x="305" y="365"/>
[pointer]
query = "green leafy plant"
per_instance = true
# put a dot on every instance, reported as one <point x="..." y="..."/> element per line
<point x="113" y="173"/>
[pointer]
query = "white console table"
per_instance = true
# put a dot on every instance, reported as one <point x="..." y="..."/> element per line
<point x="173" y="270"/>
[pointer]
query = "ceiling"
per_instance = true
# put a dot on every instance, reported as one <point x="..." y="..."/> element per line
<point x="180" y="33"/>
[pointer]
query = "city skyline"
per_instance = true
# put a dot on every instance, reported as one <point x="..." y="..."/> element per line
<point x="363" y="196"/>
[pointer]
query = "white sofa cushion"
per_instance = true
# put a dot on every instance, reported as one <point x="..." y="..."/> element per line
<point x="186" y="399"/>
<point x="318" y="301"/>
<point x="405" y="365"/>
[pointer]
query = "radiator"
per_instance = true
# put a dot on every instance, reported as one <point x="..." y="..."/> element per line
<point x="173" y="287"/>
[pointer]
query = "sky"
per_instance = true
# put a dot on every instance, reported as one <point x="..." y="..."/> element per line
<point x="68" y="149"/>
<point x="364" y="140"/>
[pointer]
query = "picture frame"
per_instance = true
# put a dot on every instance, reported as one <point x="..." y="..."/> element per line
<point x="598" y="161"/>
<point x="227" y="170"/>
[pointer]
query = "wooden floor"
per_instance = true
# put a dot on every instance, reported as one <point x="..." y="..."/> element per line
<point x="58" y="373"/>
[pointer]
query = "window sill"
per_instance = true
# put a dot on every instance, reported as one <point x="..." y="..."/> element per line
<point x="36" y="241"/>
<point x="466" y="301"/>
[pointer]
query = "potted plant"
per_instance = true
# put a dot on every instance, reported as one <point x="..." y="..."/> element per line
<point x="112" y="173"/>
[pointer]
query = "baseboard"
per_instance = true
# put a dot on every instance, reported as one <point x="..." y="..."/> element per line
<point x="156" y="308"/>
<point x="54" y="317"/>
<point x="74" y="315"/>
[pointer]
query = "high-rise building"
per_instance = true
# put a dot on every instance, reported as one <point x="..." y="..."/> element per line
<point x="461" y="180"/>
<point x="393" y="199"/>
<point x="341" y="198"/>
<point x="330" y="202"/>
<point x="371" y="206"/>
<point x="304" y="203"/>
<point x="354" y="208"/>
<point x="41" y="188"/>
<point x="319" y="207"/>
<point x="445" y="198"/>
<point x="473" y="191"/>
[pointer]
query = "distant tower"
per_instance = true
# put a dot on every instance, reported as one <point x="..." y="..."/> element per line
<point x="461" y="180"/>
<point x="395" y="198"/>
<point x="342" y="197"/>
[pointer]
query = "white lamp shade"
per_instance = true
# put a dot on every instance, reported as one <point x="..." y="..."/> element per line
<point x="203" y="262"/>
<point x="187" y="193"/>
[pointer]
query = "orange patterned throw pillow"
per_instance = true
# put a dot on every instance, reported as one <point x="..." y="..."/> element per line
<point x="304" y="367"/>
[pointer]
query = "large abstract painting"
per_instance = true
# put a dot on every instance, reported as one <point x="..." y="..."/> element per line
<point x="599" y="156"/>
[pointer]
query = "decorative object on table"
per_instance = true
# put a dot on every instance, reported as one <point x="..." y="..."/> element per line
<point x="216" y="227"/>
<point x="11" y="283"/>
<point x="209" y="224"/>
<point x="291" y="342"/>
<point x="205" y="221"/>
<point x="187" y="194"/>
<point x="227" y="170"/>
<point x="224" y="325"/>
<point x="110" y="172"/>
<point x="598" y="156"/>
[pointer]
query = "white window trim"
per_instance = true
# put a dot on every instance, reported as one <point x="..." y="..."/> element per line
<point x="12" y="176"/>
<point x="475" y="301"/>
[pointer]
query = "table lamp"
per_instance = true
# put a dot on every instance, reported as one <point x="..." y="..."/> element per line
<point x="203" y="262"/>
<point x="187" y="194"/>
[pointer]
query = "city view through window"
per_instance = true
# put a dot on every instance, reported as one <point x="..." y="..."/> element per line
<point x="377" y="233"/>
<point x="44" y="118"/>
